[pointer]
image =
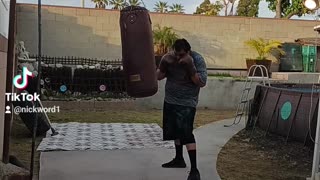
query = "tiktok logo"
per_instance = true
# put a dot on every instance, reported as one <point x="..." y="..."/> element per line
<point x="21" y="81"/>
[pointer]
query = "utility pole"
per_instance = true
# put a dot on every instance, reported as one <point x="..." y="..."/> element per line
<point x="83" y="3"/>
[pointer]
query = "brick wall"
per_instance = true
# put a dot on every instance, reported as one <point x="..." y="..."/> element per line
<point x="96" y="33"/>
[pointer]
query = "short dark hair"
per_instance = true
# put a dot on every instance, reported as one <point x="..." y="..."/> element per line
<point x="181" y="44"/>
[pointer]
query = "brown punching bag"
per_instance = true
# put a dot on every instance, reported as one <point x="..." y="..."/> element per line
<point x="138" y="52"/>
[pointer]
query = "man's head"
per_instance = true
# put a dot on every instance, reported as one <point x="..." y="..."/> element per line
<point x="181" y="48"/>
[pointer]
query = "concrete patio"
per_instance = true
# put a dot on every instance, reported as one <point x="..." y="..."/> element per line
<point x="139" y="164"/>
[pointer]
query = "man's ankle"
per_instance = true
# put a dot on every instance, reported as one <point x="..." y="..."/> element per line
<point x="194" y="169"/>
<point x="179" y="158"/>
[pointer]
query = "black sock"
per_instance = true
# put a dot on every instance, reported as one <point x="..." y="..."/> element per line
<point x="193" y="159"/>
<point x="179" y="151"/>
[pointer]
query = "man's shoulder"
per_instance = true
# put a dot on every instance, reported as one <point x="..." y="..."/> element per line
<point x="197" y="57"/>
<point x="168" y="55"/>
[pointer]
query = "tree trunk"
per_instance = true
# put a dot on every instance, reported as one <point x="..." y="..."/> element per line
<point x="290" y="15"/>
<point x="231" y="10"/>
<point x="226" y="4"/>
<point x="278" y="9"/>
<point x="226" y="11"/>
<point x="82" y="3"/>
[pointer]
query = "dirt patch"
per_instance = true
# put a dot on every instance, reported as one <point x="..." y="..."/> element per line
<point x="264" y="158"/>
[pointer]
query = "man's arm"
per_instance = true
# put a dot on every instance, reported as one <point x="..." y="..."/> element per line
<point x="197" y="80"/>
<point x="196" y="69"/>
<point x="164" y="63"/>
<point x="200" y="78"/>
<point x="160" y="75"/>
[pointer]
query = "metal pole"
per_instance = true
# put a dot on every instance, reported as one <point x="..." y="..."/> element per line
<point x="316" y="153"/>
<point x="315" y="165"/>
<point x="35" y="124"/>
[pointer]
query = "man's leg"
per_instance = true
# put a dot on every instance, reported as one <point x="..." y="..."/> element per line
<point x="194" y="172"/>
<point x="178" y="161"/>
<point x="190" y="142"/>
<point x="179" y="149"/>
<point x="192" y="151"/>
<point x="169" y="133"/>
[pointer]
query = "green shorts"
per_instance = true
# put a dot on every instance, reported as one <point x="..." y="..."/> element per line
<point x="178" y="123"/>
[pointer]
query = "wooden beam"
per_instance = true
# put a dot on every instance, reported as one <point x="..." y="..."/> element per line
<point x="9" y="87"/>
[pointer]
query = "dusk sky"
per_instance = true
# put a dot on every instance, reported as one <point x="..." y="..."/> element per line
<point x="189" y="5"/>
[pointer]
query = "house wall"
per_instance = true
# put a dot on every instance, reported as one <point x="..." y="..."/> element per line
<point x="4" y="27"/>
<point x="95" y="33"/>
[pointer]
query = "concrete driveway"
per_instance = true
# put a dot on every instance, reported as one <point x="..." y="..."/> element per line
<point x="138" y="164"/>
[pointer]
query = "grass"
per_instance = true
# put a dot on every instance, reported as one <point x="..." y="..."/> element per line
<point x="153" y="116"/>
<point x="20" y="145"/>
<point x="220" y="75"/>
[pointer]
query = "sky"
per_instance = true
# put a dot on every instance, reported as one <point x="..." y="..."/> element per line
<point x="189" y="5"/>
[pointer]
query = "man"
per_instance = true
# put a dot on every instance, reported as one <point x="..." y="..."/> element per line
<point x="186" y="73"/>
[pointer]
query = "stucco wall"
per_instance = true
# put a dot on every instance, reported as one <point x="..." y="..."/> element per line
<point x="96" y="33"/>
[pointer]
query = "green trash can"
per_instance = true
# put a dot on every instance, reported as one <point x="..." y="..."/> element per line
<point x="292" y="60"/>
<point x="309" y="58"/>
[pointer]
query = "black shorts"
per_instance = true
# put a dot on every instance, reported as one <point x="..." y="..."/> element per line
<point x="178" y="123"/>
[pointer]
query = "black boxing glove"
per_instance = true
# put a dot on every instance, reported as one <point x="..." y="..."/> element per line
<point x="188" y="63"/>
<point x="165" y="62"/>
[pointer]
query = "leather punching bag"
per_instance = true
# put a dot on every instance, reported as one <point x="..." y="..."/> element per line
<point x="138" y="52"/>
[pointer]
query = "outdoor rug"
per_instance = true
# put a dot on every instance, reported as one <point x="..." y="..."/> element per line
<point x="109" y="136"/>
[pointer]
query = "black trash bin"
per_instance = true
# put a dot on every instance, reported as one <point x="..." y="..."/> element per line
<point x="29" y="118"/>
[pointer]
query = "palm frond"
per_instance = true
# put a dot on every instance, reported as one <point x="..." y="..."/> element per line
<point x="264" y="47"/>
<point x="163" y="38"/>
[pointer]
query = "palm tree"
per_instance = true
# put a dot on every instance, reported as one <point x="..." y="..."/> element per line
<point x="209" y="9"/>
<point x="161" y="7"/>
<point x="143" y="3"/>
<point x="118" y="4"/>
<point x="265" y="47"/>
<point x="163" y="38"/>
<point x="101" y="3"/>
<point x="176" y="8"/>
<point x="134" y="3"/>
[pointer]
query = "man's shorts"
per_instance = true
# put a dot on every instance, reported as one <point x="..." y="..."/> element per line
<point x="178" y="123"/>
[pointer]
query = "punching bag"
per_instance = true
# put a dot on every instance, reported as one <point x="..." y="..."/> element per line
<point x="138" y="52"/>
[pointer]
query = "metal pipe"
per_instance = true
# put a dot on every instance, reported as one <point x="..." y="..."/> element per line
<point x="36" y="103"/>
<point x="315" y="165"/>
<point x="293" y="119"/>
<point x="9" y="88"/>
<point x="269" y="124"/>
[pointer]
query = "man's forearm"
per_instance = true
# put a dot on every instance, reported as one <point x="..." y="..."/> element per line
<point x="196" y="80"/>
<point x="160" y="75"/>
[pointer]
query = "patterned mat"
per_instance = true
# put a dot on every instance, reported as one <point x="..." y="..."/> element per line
<point x="97" y="136"/>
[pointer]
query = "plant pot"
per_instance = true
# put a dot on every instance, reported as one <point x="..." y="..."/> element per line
<point x="158" y="59"/>
<point x="275" y="67"/>
<point x="251" y="62"/>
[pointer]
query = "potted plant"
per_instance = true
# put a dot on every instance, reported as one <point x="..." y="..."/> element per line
<point x="264" y="48"/>
<point x="163" y="39"/>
